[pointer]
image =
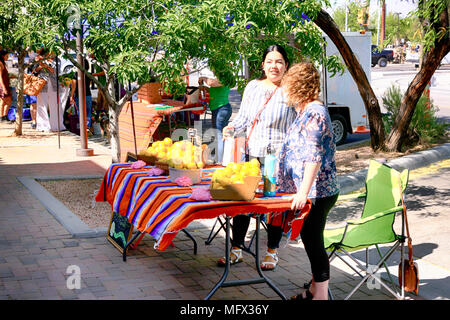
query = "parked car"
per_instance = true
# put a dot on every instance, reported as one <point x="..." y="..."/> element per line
<point x="381" y="57"/>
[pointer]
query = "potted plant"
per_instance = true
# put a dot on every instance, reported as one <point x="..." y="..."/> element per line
<point x="150" y="91"/>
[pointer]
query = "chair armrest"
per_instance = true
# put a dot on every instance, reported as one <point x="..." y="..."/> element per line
<point x="346" y="197"/>
<point x="375" y="216"/>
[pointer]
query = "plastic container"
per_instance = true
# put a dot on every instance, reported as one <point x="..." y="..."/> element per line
<point x="270" y="178"/>
<point x="194" y="174"/>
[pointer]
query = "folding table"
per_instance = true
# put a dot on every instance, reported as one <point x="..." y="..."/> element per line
<point x="157" y="206"/>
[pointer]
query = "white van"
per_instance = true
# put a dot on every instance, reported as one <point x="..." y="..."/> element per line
<point x="340" y="93"/>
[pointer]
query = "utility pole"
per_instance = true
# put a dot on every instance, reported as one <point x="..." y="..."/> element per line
<point x="383" y="21"/>
<point x="84" y="151"/>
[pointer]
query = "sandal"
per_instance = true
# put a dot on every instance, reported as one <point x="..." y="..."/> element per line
<point x="300" y="296"/>
<point x="273" y="264"/>
<point x="237" y="258"/>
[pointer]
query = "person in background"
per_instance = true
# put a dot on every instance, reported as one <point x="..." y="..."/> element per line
<point x="307" y="168"/>
<point x="5" y="90"/>
<point x="220" y="108"/>
<point x="31" y="100"/>
<point x="47" y="99"/>
<point x="262" y="99"/>
<point x="101" y="102"/>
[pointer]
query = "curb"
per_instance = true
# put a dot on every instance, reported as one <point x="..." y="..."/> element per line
<point x="357" y="180"/>
<point x="74" y="225"/>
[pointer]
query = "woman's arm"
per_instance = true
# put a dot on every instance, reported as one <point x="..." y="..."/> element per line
<point x="98" y="74"/>
<point x="49" y="68"/>
<point x="213" y="82"/>
<point x="73" y="85"/>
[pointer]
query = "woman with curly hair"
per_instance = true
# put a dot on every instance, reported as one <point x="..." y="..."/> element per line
<point x="307" y="168"/>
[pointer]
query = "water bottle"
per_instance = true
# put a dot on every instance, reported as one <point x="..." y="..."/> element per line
<point x="270" y="179"/>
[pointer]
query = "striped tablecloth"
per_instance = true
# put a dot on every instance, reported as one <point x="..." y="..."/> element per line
<point x="161" y="208"/>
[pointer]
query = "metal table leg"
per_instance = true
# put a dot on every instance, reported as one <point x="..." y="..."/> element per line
<point x="192" y="238"/>
<point x="129" y="244"/>
<point x="262" y="279"/>
<point x="124" y="253"/>
<point x="211" y="236"/>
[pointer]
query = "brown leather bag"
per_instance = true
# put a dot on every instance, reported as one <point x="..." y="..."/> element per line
<point x="410" y="268"/>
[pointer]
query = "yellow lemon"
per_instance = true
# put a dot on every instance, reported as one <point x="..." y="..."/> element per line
<point x="227" y="172"/>
<point x="255" y="172"/>
<point x="167" y="141"/>
<point x="245" y="171"/>
<point x="235" y="177"/>
<point x="254" y="162"/>
<point x="230" y="164"/>
<point x="200" y="165"/>
<point x="216" y="185"/>
<point x="224" y="181"/>
<point x="192" y="165"/>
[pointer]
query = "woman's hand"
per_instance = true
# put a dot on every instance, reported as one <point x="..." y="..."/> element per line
<point x="226" y="132"/>
<point x="298" y="201"/>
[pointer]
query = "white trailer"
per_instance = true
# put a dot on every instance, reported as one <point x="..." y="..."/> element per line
<point x="340" y="93"/>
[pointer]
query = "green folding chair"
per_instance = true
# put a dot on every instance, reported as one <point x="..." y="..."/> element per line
<point x="375" y="227"/>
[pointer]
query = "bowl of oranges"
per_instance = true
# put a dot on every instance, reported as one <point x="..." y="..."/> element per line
<point x="237" y="181"/>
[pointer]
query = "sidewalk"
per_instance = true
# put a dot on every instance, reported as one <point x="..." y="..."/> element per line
<point x="36" y="252"/>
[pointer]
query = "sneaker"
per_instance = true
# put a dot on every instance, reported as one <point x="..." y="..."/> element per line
<point x="33" y="126"/>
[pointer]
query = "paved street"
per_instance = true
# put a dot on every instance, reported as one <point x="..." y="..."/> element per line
<point x="402" y="75"/>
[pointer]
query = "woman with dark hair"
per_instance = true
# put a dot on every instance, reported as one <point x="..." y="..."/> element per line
<point x="307" y="168"/>
<point x="264" y="105"/>
<point x="5" y="90"/>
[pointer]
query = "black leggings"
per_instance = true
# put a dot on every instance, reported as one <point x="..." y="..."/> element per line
<point x="312" y="237"/>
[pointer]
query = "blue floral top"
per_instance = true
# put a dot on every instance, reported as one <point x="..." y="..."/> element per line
<point x="309" y="139"/>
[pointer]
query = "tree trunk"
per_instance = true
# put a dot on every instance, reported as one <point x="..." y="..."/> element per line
<point x="19" y="106"/>
<point x="430" y="62"/>
<point x="377" y="133"/>
<point x="114" y="112"/>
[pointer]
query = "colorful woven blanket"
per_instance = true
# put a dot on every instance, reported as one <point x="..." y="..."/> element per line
<point x="157" y="206"/>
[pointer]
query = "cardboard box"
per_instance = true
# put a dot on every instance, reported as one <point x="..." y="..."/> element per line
<point x="239" y="191"/>
<point x="194" y="174"/>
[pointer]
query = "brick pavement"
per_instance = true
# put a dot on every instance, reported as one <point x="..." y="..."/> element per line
<point x="35" y="250"/>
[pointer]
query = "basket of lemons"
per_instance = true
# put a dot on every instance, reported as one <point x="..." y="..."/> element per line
<point x="185" y="159"/>
<point x="237" y="181"/>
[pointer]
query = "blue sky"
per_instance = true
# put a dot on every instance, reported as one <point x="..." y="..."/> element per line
<point x="401" y="6"/>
